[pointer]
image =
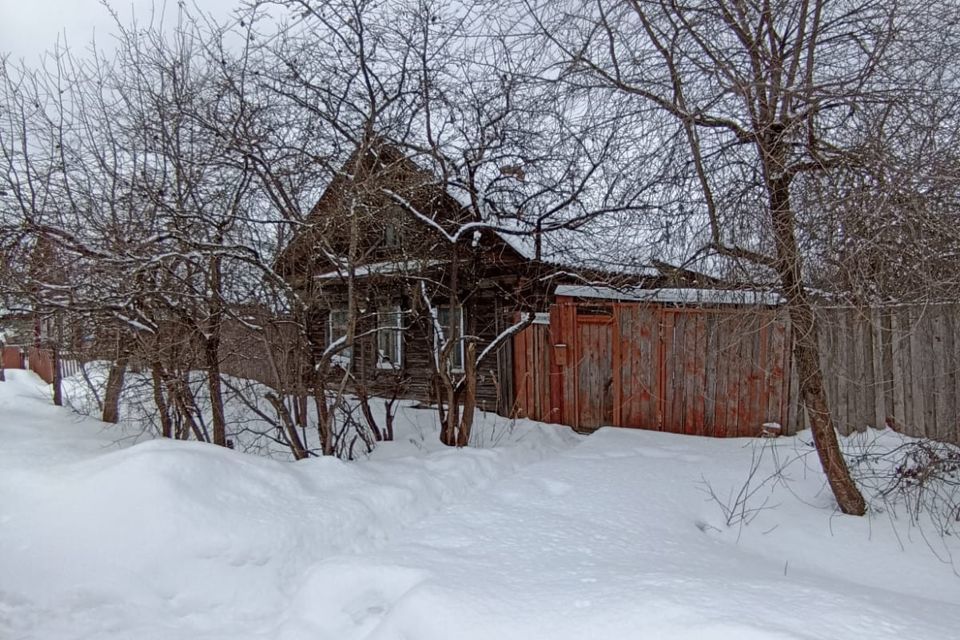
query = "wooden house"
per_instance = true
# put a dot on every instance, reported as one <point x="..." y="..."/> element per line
<point x="415" y="259"/>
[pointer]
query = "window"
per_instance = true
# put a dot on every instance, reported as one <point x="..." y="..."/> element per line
<point x="339" y="319"/>
<point x="391" y="238"/>
<point x="443" y="319"/>
<point x="389" y="338"/>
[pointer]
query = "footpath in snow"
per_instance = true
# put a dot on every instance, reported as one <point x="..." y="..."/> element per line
<point x="546" y="535"/>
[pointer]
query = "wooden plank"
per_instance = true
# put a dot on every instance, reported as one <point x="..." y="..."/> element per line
<point x="584" y="375"/>
<point x="917" y="419"/>
<point x="644" y="374"/>
<point x="675" y="375"/>
<point x="861" y="378"/>
<point x="774" y="409"/>
<point x="786" y="362"/>
<point x="898" y="342"/>
<point x="664" y="353"/>
<point x="544" y="365"/>
<point x="625" y="390"/>
<point x="641" y="371"/>
<point x="556" y="370"/>
<point x="761" y="374"/>
<point x="689" y="355"/>
<point x="839" y="354"/>
<point x="616" y="392"/>
<point x="686" y="341"/>
<point x="720" y="385"/>
<point x="795" y="412"/>
<point x="887" y="332"/>
<point x="929" y="383"/>
<point x="689" y="383"/>
<point x="655" y="372"/>
<point x="573" y="367"/>
<point x="733" y="356"/>
<point x="826" y="360"/>
<point x="700" y="394"/>
<point x="709" y="374"/>
<point x="953" y="316"/>
<point x="943" y="407"/>
<point x="750" y="337"/>
<point x="519" y="376"/>
<point x="880" y="371"/>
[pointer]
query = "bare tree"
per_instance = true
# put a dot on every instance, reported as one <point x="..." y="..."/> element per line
<point x="762" y="95"/>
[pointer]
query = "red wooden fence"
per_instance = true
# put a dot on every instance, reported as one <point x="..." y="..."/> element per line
<point x="12" y="358"/>
<point x="41" y="363"/>
<point x="700" y="371"/>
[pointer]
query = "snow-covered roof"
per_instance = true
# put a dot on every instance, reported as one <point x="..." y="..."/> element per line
<point x="382" y="268"/>
<point x="576" y="251"/>
<point x="673" y="296"/>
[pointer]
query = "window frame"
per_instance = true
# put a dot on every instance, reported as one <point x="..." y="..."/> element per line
<point x="461" y="351"/>
<point x="396" y="328"/>
<point x="391" y="236"/>
<point x="347" y="351"/>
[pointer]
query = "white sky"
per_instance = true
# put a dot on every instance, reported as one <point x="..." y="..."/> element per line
<point x="30" y="27"/>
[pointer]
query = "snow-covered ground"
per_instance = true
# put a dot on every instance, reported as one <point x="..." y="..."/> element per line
<point x="544" y="535"/>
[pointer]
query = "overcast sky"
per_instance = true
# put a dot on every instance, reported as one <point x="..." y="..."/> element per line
<point x="30" y="27"/>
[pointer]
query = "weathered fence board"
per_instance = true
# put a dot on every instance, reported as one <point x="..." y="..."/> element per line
<point x="41" y="363"/>
<point x="723" y="372"/>
<point x="891" y="366"/>
<point x="684" y="370"/>
<point x="12" y="357"/>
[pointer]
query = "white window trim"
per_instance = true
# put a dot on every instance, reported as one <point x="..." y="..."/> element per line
<point x="344" y="356"/>
<point x="442" y="337"/>
<point x="398" y="328"/>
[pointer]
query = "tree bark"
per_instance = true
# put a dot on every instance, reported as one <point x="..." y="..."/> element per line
<point x="111" y="397"/>
<point x="212" y="355"/>
<point x="806" y="351"/>
<point x="470" y="395"/>
<point x="57" y="376"/>
<point x="156" y="374"/>
<point x="293" y="438"/>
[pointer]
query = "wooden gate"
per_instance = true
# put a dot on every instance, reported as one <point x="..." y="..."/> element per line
<point x="594" y="372"/>
<point x="701" y="371"/>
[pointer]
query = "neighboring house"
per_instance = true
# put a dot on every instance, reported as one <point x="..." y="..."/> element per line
<point x="404" y="272"/>
<point x="18" y="327"/>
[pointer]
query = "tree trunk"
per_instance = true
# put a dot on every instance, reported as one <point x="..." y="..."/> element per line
<point x="324" y="416"/>
<point x="806" y="352"/>
<point x="187" y="408"/>
<point x="57" y="376"/>
<point x="156" y="374"/>
<point x="293" y="438"/>
<point x="111" y="397"/>
<point x="212" y="355"/>
<point x="470" y="396"/>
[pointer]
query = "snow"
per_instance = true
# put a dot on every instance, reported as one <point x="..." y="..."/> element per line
<point x="382" y="268"/>
<point x="576" y="250"/>
<point x="672" y="295"/>
<point x="537" y="534"/>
